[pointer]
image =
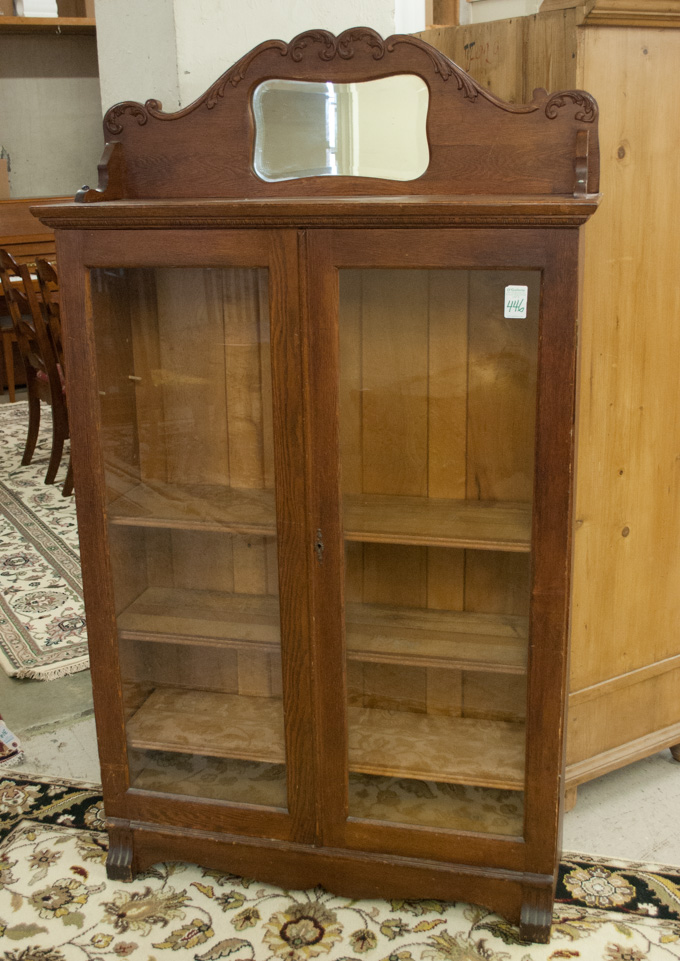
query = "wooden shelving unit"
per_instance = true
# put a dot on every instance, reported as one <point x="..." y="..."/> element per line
<point x="325" y="467"/>
<point x="47" y="25"/>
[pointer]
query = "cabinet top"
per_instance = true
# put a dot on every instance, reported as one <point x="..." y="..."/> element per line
<point x="475" y="145"/>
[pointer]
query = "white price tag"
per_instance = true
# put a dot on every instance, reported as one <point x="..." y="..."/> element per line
<point x="516" y="301"/>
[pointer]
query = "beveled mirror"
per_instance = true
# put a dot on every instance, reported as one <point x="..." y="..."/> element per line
<point x="372" y="129"/>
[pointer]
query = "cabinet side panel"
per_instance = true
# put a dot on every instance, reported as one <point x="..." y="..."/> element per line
<point x="627" y="545"/>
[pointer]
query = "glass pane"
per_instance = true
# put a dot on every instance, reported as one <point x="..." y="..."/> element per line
<point x="185" y="388"/>
<point x="371" y="129"/>
<point x="437" y="411"/>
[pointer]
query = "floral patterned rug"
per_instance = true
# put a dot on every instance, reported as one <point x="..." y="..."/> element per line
<point x="42" y="623"/>
<point x="56" y="904"/>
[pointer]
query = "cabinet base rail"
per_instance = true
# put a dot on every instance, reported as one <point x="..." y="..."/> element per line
<point x="524" y="898"/>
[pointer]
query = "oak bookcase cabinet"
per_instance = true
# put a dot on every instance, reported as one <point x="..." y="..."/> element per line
<point x="323" y="452"/>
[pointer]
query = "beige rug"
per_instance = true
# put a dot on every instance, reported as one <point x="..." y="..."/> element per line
<point x="42" y="621"/>
<point x="56" y="904"/>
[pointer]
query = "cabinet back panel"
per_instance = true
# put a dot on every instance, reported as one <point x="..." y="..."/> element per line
<point x="111" y="309"/>
<point x="437" y="406"/>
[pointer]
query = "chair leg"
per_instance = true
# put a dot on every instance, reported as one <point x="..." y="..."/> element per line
<point x="58" y="438"/>
<point x="33" y="428"/>
<point x="67" y="489"/>
<point x="9" y="366"/>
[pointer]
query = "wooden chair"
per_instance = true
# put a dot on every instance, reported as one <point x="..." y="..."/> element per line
<point x="8" y="339"/>
<point x="48" y="282"/>
<point x="44" y="377"/>
<point x="25" y="239"/>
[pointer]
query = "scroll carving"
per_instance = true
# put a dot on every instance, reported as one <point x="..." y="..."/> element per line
<point x="346" y="46"/>
<point x="587" y="114"/>
<point x="129" y="106"/>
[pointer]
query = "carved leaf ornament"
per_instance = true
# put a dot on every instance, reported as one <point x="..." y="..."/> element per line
<point x="345" y="46"/>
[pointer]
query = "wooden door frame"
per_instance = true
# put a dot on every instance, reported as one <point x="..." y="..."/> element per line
<point x="78" y="252"/>
<point x="555" y="253"/>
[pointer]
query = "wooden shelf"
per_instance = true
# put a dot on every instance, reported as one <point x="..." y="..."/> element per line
<point x="240" y="782"/>
<point x="392" y="743"/>
<point x="455" y="750"/>
<point x="468" y="808"/>
<point x="488" y="525"/>
<point x="377" y="633"/>
<point x="370" y="518"/>
<point x="50" y="26"/>
<point x="488" y="810"/>
<point x="207" y="618"/>
<point x="210" y="725"/>
<point x="198" y="507"/>
<point x="431" y="638"/>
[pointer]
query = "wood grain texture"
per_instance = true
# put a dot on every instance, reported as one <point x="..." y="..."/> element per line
<point x="356" y="874"/>
<point x="444" y="210"/>
<point x="539" y="160"/>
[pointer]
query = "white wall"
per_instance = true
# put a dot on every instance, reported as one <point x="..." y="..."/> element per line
<point x="50" y="113"/>
<point x="478" y="11"/>
<point x="172" y="50"/>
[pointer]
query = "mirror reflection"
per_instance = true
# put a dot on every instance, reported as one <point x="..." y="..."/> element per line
<point x="371" y="129"/>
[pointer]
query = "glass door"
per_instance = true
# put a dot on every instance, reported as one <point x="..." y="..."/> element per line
<point x="437" y="415"/>
<point x="436" y="336"/>
<point x="189" y="407"/>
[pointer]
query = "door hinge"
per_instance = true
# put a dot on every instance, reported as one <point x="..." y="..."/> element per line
<point x="318" y="546"/>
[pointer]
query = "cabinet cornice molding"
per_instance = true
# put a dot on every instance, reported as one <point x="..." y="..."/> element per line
<point x="324" y="212"/>
<point x="621" y="13"/>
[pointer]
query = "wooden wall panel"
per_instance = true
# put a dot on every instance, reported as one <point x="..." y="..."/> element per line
<point x="115" y="362"/>
<point x="192" y="375"/>
<point x="395" y="345"/>
<point x="447" y="381"/>
<point x="243" y="372"/>
<point x="497" y="582"/>
<point x="128" y="565"/>
<point x="351" y="450"/>
<point x="201" y="561"/>
<point x="503" y="357"/>
<point x="499" y="696"/>
<point x="411" y="343"/>
<point x="626" y="609"/>
<point x="147" y="371"/>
